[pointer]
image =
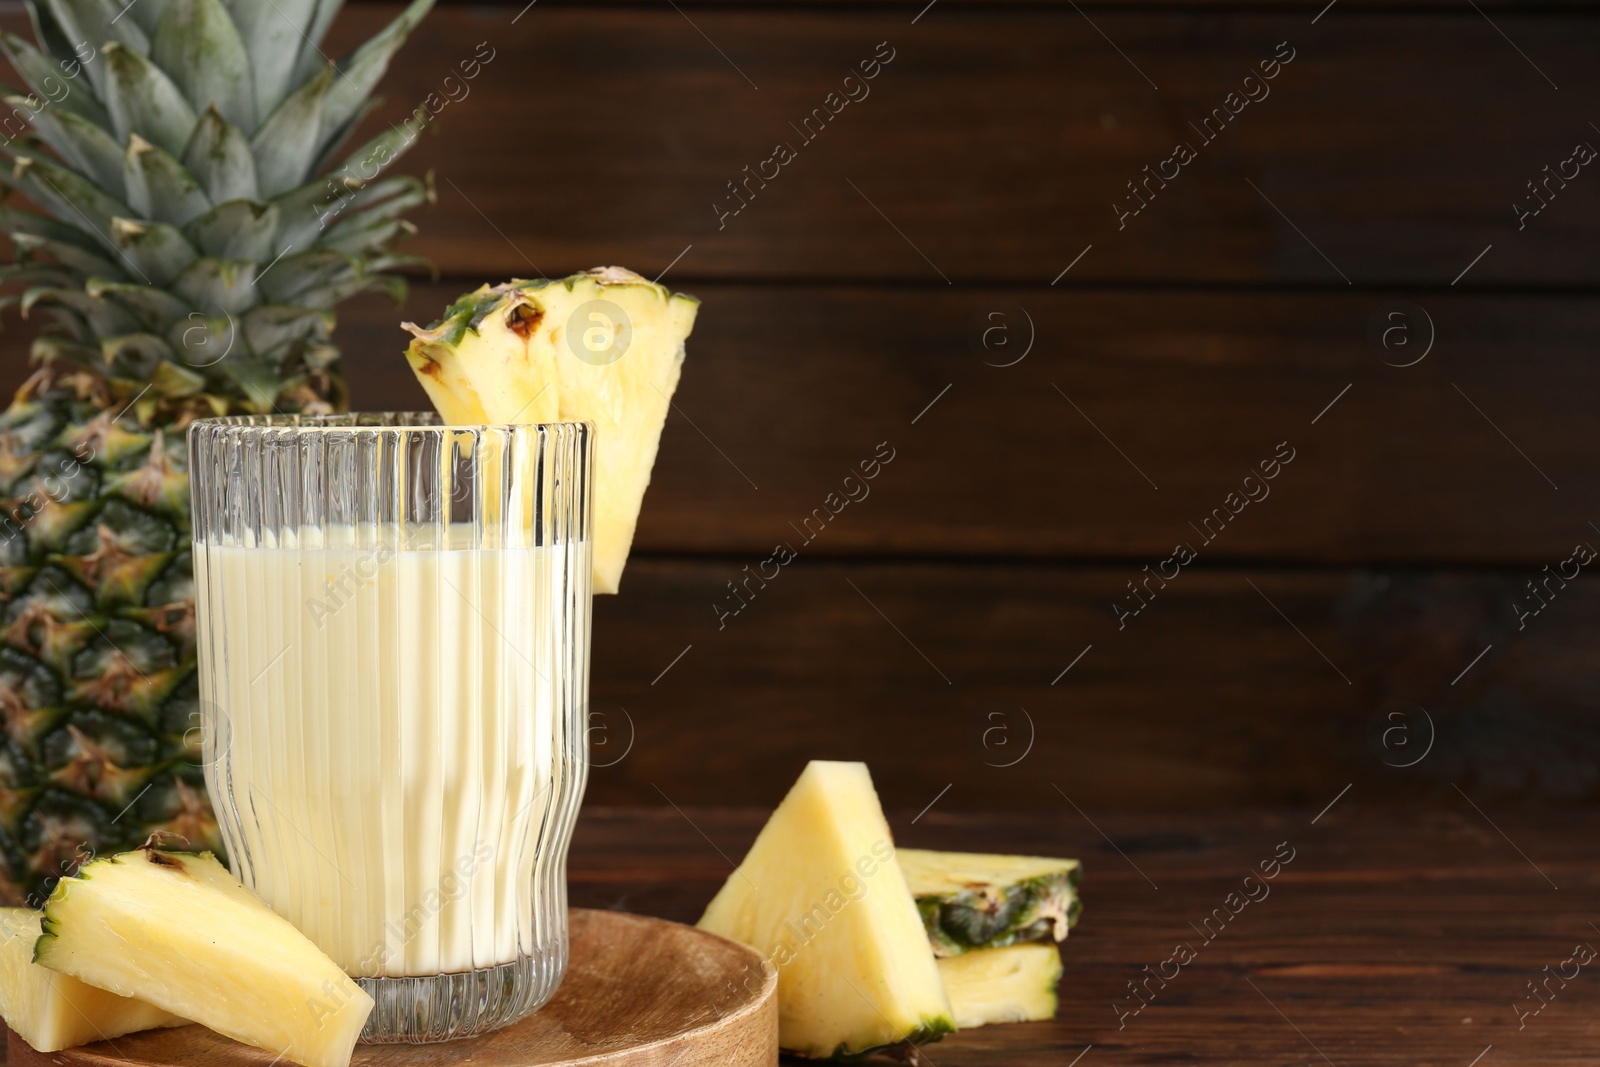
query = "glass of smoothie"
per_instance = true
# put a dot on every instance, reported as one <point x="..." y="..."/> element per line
<point x="393" y="624"/>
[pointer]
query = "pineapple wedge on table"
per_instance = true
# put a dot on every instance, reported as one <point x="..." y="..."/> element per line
<point x="178" y="931"/>
<point x="604" y="346"/>
<point x="973" y="900"/>
<point x="53" y="1011"/>
<point x="821" y="895"/>
<point x="189" y="246"/>
<point x="1002" y="985"/>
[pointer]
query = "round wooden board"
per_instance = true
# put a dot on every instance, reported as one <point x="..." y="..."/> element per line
<point x="639" y="992"/>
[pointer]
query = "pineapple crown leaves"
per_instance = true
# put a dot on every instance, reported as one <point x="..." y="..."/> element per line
<point x="199" y="213"/>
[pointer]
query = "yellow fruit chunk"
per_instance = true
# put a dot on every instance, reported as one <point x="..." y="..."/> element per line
<point x="177" y="930"/>
<point x="1002" y="985"/>
<point x="53" y="1011"/>
<point x="821" y="895"/>
<point x="605" y="346"/>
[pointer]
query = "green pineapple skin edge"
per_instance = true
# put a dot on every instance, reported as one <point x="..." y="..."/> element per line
<point x="203" y="210"/>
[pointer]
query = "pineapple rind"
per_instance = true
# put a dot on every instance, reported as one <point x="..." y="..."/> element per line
<point x="1003" y="985"/>
<point x="52" y="1011"/>
<point x="176" y="930"/>
<point x="978" y="900"/>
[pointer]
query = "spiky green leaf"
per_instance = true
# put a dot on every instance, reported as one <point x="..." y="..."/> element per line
<point x="363" y="237"/>
<point x="159" y="187"/>
<point x="360" y="72"/>
<point x="41" y="277"/>
<point x="293" y="277"/>
<point x="97" y="24"/>
<point x="260" y="380"/>
<point x="239" y="229"/>
<point x="270" y="327"/>
<point x="393" y="286"/>
<point x="50" y="34"/>
<point x="147" y="13"/>
<point x="66" y="195"/>
<point x="135" y="355"/>
<point x="49" y="80"/>
<point x="67" y="253"/>
<point x="48" y="349"/>
<point x="158" y="252"/>
<point x="105" y="318"/>
<point x="218" y="286"/>
<point x="286" y="144"/>
<point x="312" y="57"/>
<point x="203" y="341"/>
<point x="14" y="221"/>
<point x="273" y="34"/>
<point x="156" y="309"/>
<point x="325" y="200"/>
<point x="85" y="146"/>
<point x="198" y="44"/>
<point x="367" y="229"/>
<point x="142" y="99"/>
<point x="219" y="157"/>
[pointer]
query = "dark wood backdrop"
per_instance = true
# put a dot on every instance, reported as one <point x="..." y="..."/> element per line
<point x="942" y="271"/>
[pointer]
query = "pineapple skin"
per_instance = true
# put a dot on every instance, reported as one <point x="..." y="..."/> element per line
<point x="149" y="264"/>
<point x="821" y="895"/>
<point x="177" y="930"/>
<point x="971" y="900"/>
<point x="53" y="1011"/>
<point x="1016" y="984"/>
<point x="520" y="353"/>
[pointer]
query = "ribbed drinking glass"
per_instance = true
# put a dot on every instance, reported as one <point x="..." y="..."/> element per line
<point x="393" y="626"/>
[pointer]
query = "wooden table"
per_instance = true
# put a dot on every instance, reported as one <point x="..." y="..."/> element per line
<point x="1391" y="937"/>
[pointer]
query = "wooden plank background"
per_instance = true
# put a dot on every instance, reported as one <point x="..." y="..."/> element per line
<point x="941" y="273"/>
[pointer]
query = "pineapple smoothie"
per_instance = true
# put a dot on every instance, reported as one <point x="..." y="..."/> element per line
<point x="394" y="739"/>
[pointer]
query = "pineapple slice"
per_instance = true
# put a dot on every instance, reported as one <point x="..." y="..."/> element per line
<point x="1003" y="985"/>
<point x="180" y="932"/>
<point x="53" y="1011"/>
<point x="604" y="346"/>
<point x="820" y="894"/>
<point x="974" y="900"/>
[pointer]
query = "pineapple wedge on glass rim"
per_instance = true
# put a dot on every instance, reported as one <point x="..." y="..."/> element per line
<point x="53" y="1011"/>
<point x="605" y="346"/>
<point x="176" y="930"/>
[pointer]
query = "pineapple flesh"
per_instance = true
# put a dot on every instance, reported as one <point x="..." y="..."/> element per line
<point x="199" y="214"/>
<point x="1003" y="985"/>
<point x="605" y="346"/>
<point x="178" y="931"/>
<point x="821" y="895"/>
<point x="971" y="900"/>
<point x="52" y="1011"/>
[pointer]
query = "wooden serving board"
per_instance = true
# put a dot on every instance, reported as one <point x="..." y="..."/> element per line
<point x="639" y="992"/>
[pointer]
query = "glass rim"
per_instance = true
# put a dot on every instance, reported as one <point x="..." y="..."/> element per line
<point x="414" y="422"/>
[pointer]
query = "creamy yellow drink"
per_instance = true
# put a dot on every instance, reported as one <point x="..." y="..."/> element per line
<point x="391" y="735"/>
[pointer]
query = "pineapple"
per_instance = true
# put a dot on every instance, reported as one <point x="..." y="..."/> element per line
<point x="52" y="1011"/>
<point x="604" y="346"/>
<point x="1003" y="985"/>
<point x="821" y="895"/>
<point x="199" y="221"/>
<point x="974" y="900"/>
<point x="177" y="930"/>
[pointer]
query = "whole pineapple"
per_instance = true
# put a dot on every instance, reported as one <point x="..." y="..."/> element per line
<point x="195" y="234"/>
